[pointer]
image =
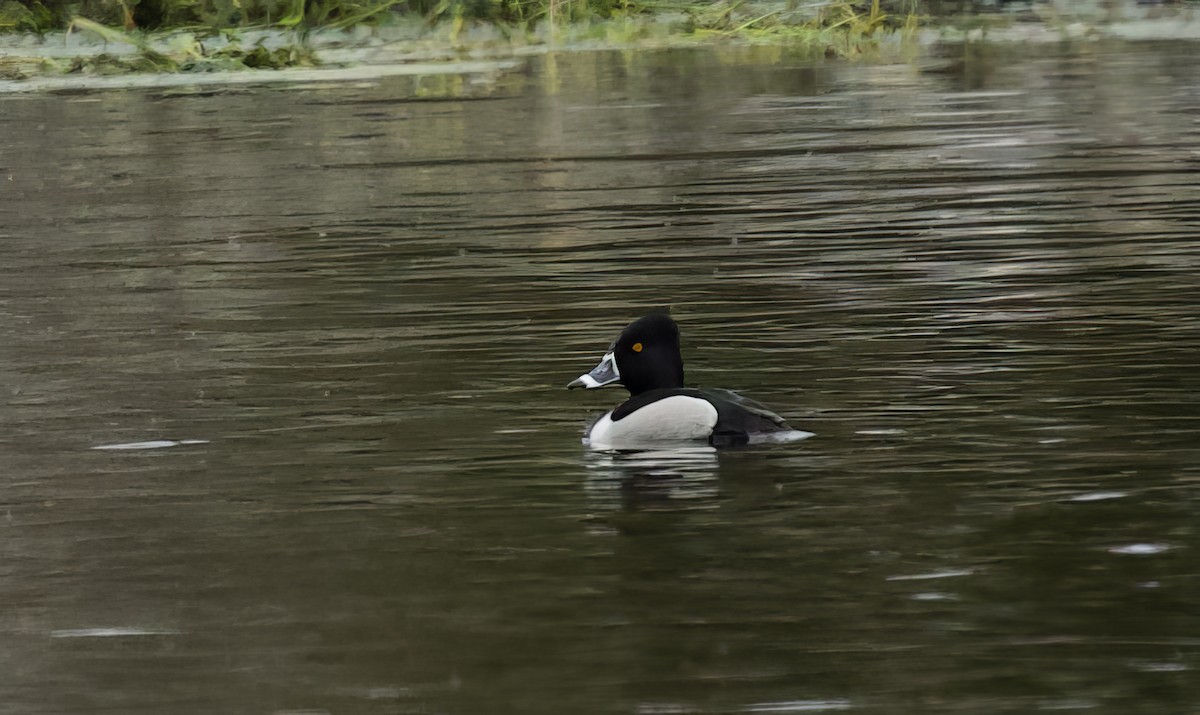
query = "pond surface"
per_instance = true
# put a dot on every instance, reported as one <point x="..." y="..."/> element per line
<point x="324" y="332"/>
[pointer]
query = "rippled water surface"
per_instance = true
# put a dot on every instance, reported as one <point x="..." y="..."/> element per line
<point x="322" y="333"/>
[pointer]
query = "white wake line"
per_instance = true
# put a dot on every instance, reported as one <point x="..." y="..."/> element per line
<point x="152" y="444"/>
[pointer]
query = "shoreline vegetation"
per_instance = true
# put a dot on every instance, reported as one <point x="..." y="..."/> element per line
<point x="88" y="38"/>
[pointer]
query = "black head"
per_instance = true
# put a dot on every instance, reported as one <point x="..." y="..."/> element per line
<point x="644" y="357"/>
<point x="647" y="354"/>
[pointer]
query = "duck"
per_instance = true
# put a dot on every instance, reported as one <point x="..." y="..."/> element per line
<point x="646" y="360"/>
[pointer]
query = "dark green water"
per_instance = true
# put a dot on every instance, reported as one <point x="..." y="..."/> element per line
<point x="979" y="289"/>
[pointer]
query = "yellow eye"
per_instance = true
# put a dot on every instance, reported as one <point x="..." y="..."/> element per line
<point x="637" y="347"/>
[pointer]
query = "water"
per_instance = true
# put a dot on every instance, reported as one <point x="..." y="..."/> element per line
<point x="284" y="427"/>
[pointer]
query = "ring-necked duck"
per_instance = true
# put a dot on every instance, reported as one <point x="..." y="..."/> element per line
<point x="646" y="360"/>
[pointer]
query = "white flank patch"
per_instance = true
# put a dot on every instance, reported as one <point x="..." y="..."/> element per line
<point x="672" y="419"/>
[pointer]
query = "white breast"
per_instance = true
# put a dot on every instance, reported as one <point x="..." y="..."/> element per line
<point x="671" y="419"/>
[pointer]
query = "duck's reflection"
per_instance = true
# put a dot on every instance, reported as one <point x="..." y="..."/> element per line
<point x="666" y="477"/>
